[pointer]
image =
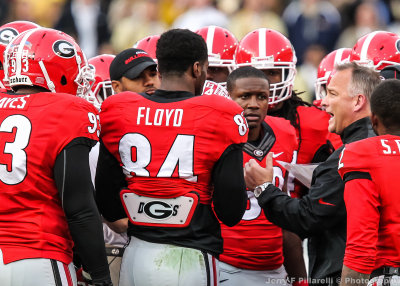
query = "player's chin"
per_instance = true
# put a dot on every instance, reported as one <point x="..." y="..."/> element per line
<point x="253" y="124"/>
<point x="332" y="126"/>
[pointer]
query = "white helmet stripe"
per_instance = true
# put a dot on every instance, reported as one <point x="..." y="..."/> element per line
<point x="210" y="39"/>
<point x="18" y="60"/>
<point x="262" y="42"/>
<point x="365" y="47"/>
<point x="338" y="56"/>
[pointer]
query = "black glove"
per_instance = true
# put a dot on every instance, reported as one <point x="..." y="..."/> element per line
<point x="84" y="279"/>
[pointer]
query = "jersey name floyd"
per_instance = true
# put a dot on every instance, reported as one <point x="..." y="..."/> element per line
<point x="159" y="116"/>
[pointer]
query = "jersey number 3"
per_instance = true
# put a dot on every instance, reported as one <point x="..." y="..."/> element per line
<point x="13" y="167"/>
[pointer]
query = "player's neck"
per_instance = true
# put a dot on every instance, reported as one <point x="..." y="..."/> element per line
<point x="30" y="89"/>
<point x="390" y="132"/>
<point x="177" y="83"/>
<point x="254" y="134"/>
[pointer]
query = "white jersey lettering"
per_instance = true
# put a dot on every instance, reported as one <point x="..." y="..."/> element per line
<point x="160" y="117"/>
<point x="13" y="102"/>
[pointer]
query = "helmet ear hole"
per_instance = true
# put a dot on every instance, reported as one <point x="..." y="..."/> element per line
<point x="63" y="80"/>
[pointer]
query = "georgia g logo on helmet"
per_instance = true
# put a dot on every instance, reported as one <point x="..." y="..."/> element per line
<point x="398" y="45"/>
<point x="64" y="49"/>
<point x="7" y="35"/>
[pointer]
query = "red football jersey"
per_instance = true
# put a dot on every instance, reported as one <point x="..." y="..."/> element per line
<point x="286" y="136"/>
<point x="168" y="148"/>
<point x="34" y="129"/>
<point x="370" y="168"/>
<point x="313" y="132"/>
<point x="312" y="135"/>
<point x="255" y="243"/>
<point x="335" y="140"/>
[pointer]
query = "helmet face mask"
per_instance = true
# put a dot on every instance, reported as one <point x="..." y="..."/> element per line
<point x="214" y="60"/>
<point x="102" y="86"/>
<point x="103" y="90"/>
<point x="267" y="49"/>
<point x="282" y="90"/>
<point x="84" y="80"/>
<point x="49" y="59"/>
<point x="326" y="68"/>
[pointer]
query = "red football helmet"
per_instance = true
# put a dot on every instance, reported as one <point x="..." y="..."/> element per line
<point x="149" y="45"/>
<point x="50" y="59"/>
<point x="377" y="50"/>
<point x="221" y="46"/>
<point x="102" y="88"/>
<point x="268" y="49"/>
<point x="326" y="67"/>
<point x="7" y="33"/>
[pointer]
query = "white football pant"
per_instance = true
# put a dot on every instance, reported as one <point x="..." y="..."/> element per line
<point x="36" y="272"/>
<point x="153" y="264"/>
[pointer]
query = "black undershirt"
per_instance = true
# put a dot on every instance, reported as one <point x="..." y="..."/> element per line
<point x="72" y="177"/>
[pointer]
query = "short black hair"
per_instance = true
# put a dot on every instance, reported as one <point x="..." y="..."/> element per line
<point x="178" y="49"/>
<point x="385" y="103"/>
<point x="243" y="72"/>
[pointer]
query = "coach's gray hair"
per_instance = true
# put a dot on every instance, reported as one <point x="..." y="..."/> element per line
<point x="363" y="79"/>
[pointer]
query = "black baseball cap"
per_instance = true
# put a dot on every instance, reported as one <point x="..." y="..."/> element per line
<point x="130" y="63"/>
<point x="391" y="72"/>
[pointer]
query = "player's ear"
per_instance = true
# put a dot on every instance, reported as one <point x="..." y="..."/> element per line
<point x="196" y="69"/>
<point x="116" y="86"/>
<point x="374" y="122"/>
<point x="360" y="100"/>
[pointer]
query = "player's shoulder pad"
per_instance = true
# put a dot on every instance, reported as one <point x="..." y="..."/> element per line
<point x="312" y="112"/>
<point x="219" y="103"/>
<point x="280" y="123"/>
<point x="356" y="155"/>
<point x="362" y="147"/>
<point x="72" y="102"/>
<point x="313" y="118"/>
<point x="285" y="133"/>
<point x="120" y="98"/>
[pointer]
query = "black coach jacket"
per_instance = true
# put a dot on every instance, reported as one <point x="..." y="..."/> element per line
<point x="321" y="214"/>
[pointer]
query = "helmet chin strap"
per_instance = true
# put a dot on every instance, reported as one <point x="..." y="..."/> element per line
<point x="49" y="83"/>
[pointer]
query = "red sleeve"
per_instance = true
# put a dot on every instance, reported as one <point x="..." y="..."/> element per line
<point x="234" y="128"/>
<point x="362" y="200"/>
<point x="78" y="123"/>
<point x="313" y="132"/>
<point x="362" y="203"/>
